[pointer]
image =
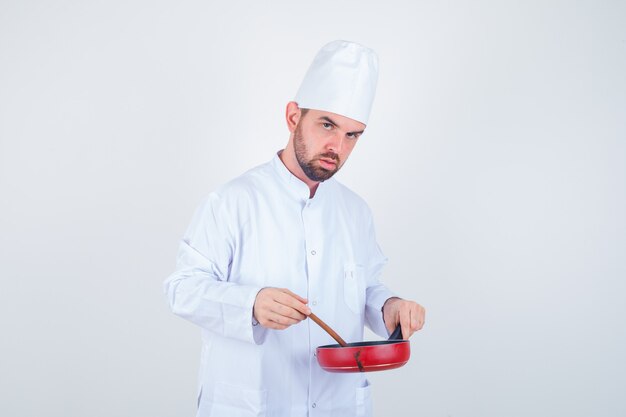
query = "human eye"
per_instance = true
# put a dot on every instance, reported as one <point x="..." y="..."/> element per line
<point x="327" y="125"/>
<point x="352" y="135"/>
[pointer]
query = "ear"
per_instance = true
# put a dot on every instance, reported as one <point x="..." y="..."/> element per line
<point x="292" y="115"/>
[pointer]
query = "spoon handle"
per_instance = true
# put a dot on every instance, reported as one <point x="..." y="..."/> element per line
<point x="328" y="330"/>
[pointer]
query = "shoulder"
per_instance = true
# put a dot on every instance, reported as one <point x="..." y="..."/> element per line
<point x="237" y="194"/>
<point x="245" y="185"/>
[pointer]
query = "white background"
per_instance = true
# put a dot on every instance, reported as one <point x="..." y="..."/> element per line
<point x="494" y="161"/>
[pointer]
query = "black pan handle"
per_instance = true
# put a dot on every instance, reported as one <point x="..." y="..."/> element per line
<point x="397" y="334"/>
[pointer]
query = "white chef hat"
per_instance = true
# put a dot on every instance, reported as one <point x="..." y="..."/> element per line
<point x="342" y="79"/>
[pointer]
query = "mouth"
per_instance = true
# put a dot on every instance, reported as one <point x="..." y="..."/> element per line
<point x="327" y="163"/>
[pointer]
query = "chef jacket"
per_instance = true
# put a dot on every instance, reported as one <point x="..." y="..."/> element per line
<point x="262" y="230"/>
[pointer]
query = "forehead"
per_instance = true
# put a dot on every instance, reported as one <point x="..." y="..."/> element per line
<point x="342" y="122"/>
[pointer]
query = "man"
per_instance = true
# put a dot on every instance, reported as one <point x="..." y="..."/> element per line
<point x="280" y="241"/>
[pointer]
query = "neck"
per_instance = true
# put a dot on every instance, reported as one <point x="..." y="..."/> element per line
<point x="288" y="157"/>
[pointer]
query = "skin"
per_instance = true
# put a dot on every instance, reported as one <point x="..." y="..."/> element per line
<point x="325" y="139"/>
<point x="409" y="314"/>
<point x="319" y="144"/>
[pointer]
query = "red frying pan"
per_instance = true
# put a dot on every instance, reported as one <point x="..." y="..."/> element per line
<point x="362" y="356"/>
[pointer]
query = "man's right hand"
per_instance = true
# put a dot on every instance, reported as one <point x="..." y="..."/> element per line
<point x="279" y="308"/>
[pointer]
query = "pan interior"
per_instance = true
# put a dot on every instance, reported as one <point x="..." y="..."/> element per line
<point x="360" y="344"/>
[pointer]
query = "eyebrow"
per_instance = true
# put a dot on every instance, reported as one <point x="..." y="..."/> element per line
<point x="329" y="120"/>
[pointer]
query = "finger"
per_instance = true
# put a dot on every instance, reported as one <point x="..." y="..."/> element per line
<point x="412" y="321"/>
<point x="414" y="312"/>
<point x="301" y="299"/>
<point x="268" y="311"/>
<point x="287" y="299"/>
<point x="388" y="322"/>
<point x="286" y="311"/>
<point x="302" y="306"/>
<point x="393" y="322"/>
<point x="275" y="321"/>
<point x="405" y="322"/>
<point x="283" y="320"/>
<point x="417" y="317"/>
<point x="422" y="318"/>
<point x="283" y="310"/>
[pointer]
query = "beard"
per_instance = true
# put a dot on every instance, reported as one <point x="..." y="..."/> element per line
<point x="311" y="167"/>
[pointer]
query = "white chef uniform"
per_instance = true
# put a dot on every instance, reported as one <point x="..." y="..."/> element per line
<point x="262" y="230"/>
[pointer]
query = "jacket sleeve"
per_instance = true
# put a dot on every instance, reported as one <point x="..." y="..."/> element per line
<point x="376" y="292"/>
<point x="199" y="290"/>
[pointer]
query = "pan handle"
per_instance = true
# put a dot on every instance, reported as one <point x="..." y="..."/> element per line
<point x="397" y="334"/>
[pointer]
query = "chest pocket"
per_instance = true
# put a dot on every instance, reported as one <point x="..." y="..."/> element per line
<point x="354" y="287"/>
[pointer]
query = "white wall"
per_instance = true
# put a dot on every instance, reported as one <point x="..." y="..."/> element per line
<point x="494" y="162"/>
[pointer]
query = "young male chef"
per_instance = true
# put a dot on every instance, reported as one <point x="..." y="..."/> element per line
<point x="281" y="241"/>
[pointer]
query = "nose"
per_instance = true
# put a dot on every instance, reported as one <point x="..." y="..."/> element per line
<point x="335" y="142"/>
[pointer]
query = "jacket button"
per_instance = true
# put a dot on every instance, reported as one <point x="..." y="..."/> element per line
<point x="313" y="405"/>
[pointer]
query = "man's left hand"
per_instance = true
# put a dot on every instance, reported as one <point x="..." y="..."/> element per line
<point x="408" y="314"/>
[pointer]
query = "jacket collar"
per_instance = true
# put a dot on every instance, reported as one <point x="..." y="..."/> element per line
<point x="297" y="188"/>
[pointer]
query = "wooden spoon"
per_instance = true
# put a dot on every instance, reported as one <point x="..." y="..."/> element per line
<point x="328" y="330"/>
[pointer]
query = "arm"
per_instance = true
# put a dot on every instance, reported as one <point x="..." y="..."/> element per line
<point x="383" y="310"/>
<point x="199" y="290"/>
<point x="376" y="292"/>
<point x="375" y="297"/>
